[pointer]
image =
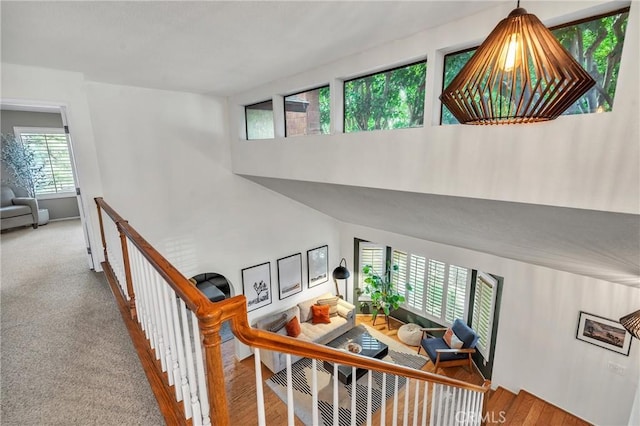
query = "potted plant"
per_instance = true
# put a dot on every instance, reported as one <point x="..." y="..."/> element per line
<point x="24" y="169"/>
<point x="384" y="296"/>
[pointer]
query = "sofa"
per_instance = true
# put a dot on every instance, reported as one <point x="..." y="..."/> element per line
<point x="16" y="209"/>
<point x="342" y="321"/>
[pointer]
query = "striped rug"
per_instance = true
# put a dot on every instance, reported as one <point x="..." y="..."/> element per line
<point x="301" y="374"/>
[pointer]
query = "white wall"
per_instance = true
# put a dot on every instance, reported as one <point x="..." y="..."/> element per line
<point x="166" y="164"/>
<point x="589" y="161"/>
<point x="40" y="86"/>
<point x="536" y="346"/>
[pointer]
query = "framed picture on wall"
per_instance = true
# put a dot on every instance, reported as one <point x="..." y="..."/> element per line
<point x="256" y="285"/>
<point x="290" y="275"/>
<point x="318" y="265"/>
<point x="603" y="332"/>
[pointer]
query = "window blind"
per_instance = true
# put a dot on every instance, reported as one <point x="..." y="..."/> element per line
<point x="456" y="293"/>
<point x="373" y="255"/>
<point x="435" y="287"/>
<point x="483" y="311"/>
<point x="399" y="277"/>
<point x="417" y="281"/>
<point x="52" y="150"/>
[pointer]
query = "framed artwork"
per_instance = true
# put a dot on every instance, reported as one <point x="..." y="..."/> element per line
<point x="256" y="285"/>
<point x="290" y="275"/>
<point x="318" y="265"/>
<point x="603" y="332"/>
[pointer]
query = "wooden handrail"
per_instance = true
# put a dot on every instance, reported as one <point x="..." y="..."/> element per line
<point x="234" y="309"/>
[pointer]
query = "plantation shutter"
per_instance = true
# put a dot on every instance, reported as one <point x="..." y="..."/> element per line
<point x="51" y="149"/>
<point x="456" y="293"/>
<point x="374" y="255"/>
<point x="435" y="287"/>
<point x="416" y="279"/>
<point x="482" y="320"/>
<point x="399" y="277"/>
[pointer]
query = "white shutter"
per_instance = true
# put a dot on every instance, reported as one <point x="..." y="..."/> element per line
<point x="416" y="279"/>
<point x="51" y="149"/>
<point x="374" y="255"/>
<point x="458" y="281"/>
<point x="435" y="288"/>
<point x="483" y="304"/>
<point x="399" y="277"/>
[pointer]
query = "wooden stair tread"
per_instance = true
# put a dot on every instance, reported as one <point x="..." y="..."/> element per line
<point x="527" y="409"/>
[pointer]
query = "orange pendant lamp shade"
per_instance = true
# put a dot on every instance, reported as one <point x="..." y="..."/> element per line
<point x="520" y="74"/>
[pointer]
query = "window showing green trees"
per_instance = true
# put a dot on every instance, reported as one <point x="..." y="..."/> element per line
<point x="595" y="43"/>
<point x="392" y="99"/>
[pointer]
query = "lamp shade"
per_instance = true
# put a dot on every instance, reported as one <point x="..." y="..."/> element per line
<point x="631" y="323"/>
<point x="519" y="74"/>
<point x="341" y="272"/>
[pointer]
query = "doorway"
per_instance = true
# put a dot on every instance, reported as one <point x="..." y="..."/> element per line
<point x="60" y="198"/>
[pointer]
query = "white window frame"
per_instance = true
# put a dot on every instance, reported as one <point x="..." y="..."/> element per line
<point x="486" y="351"/>
<point x="19" y="130"/>
<point x="363" y="245"/>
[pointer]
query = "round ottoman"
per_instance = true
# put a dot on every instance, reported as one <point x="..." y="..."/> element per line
<point x="410" y="334"/>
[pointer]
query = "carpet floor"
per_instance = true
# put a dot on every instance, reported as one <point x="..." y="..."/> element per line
<point x="66" y="355"/>
<point x="302" y="377"/>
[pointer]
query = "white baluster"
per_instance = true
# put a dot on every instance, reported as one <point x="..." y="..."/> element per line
<point x="156" y="282"/>
<point x="474" y="406"/>
<point x="202" y="379"/>
<point x="395" y="403"/>
<point x="465" y="398"/>
<point x="416" y="402"/>
<point x="259" y="391"/>
<point x="290" y="420"/>
<point x="424" y="403"/>
<point x="314" y="392"/>
<point x="153" y="332"/>
<point x="369" y="386"/>
<point x="433" y="404"/>
<point x="478" y="418"/>
<point x="447" y="404"/>
<point x="336" y="406"/>
<point x="353" y="396"/>
<point x="193" y="392"/>
<point x="452" y="405"/>
<point x="183" y="392"/>
<point x="405" y="419"/>
<point x="172" y="356"/>
<point x="166" y="318"/>
<point x="440" y="398"/>
<point x="383" y="400"/>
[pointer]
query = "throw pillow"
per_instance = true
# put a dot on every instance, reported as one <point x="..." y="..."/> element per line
<point x="305" y="309"/>
<point x="293" y="327"/>
<point x="320" y="314"/>
<point x="345" y="313"/>
<point x="277" y="325"/>
<point x="333" y="305"/>
<point x="452" y="340"/>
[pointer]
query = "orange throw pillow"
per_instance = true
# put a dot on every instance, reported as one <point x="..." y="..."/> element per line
<point x="293" y="327"/>
<point x="320" y="314"/>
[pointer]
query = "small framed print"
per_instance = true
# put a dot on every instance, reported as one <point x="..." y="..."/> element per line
<point x="256" y="285"/>
<point x="318" y="265"/>
<point x="603" y="332"/>
<point x="290" y="275"/>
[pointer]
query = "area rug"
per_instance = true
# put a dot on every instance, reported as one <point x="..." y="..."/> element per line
<point x="301" y="373"/>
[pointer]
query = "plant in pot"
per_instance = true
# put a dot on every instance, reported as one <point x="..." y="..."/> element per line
<point x="24" y="169"/>
<point x="384" y="295"/>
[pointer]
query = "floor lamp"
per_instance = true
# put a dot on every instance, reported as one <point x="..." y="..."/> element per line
<point x="341" y="273"/>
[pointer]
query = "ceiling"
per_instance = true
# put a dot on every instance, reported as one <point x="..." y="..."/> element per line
<point x="602" y="245"/>
<point x="212" y="47"/>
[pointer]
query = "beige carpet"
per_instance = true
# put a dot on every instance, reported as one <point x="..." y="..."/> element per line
<point x="67" y="358"/>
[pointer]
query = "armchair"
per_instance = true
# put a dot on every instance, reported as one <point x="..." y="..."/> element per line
<point x="439" y="351"/>
<point x="17" y="209"/>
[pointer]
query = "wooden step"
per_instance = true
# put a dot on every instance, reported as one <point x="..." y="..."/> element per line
<point x="528" y="409"/>
<point x="499" y="402"/>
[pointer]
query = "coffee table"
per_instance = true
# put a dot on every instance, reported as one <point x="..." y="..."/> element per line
<point x="371" y="347"/>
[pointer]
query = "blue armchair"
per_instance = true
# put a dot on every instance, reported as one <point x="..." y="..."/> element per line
<point x="441" y="354"/>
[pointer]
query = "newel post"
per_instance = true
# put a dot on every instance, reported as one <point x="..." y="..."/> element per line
<point x="104" y="241"/>
<point x="127" y="270"/>
<point x="210" y="328"/>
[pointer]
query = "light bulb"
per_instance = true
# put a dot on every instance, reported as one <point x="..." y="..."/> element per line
<point x="510" y="57"/>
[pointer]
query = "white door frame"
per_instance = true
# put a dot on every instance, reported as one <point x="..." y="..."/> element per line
<point x="34" y="106"/>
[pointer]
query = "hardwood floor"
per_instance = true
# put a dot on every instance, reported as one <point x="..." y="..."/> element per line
<point x="241" y="387"/>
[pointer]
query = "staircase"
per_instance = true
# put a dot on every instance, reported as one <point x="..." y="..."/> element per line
<point x="505" y="407"/>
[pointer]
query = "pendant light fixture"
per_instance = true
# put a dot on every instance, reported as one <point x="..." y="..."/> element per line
<point x="631" y="323"/>
<point x="519" y="74"/>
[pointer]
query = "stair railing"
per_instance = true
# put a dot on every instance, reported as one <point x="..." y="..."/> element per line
<point x="181" y="327"/>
